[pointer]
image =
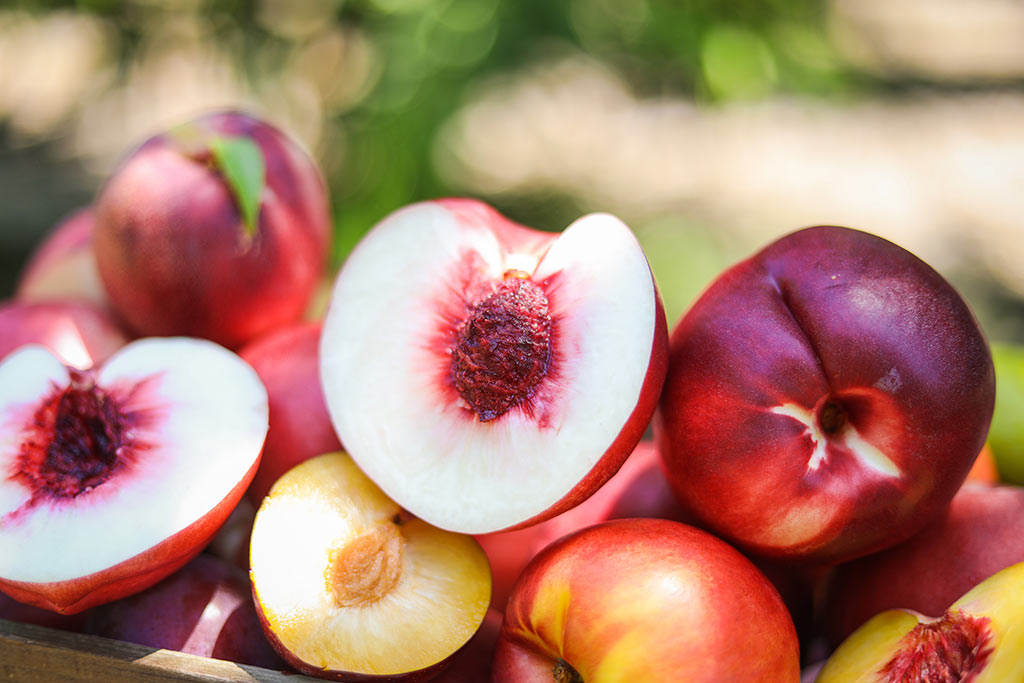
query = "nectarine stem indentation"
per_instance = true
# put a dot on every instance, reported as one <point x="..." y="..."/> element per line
<point x="953" y="648"/>
<point x="831" y="417"/>
<point x="564" y="673"/>
<point x="77" y="435"/>
<point x="504" y="347"/>
<point x="363" y="570"/>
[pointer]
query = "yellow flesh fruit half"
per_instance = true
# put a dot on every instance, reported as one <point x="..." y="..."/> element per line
<point x="979" y="639"/>
<point x="346" y="581"/>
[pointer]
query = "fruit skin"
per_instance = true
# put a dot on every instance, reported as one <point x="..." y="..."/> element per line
<point x="1006" y="436"/>
<point x="834" y="338"/>
<point x="993" y="610"/>
<point x="638" y="489"/>
<point x="645" y="600"/>
<point x="287" y="360"/>
<point x="81" y="334"/>
<point x="472" y="664"/>
<point x="171" y="245"/>
<point x="981" y="533"/>
<point x="12" y="610"/>
<point x="63" y="266"/>
<point x="204" y="609"/>
<point x="134" y="574"/>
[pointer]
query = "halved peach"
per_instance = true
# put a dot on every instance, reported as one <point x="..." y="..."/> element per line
<point x="488" y="376"/>
<point x="349" y="586"/>
<point x="114" y="477"/>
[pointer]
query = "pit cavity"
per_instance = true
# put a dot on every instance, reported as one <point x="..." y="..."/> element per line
<point x="503" y="349"/>
<point x="75" y="440"/>
<point x="954" y="648"/>
<point x="364" y="569"/>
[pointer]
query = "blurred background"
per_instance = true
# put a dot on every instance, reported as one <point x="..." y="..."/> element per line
<point x="710" y="127"/>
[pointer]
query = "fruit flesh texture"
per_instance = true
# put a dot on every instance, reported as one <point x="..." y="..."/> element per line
<point x="833" y="389"/>
<point x="177" y="415"/>
<point x="645" y="599"/>
<point x="976" y="640"/>
<point x="417" y="596"/>
<point x="171" y="247"/>
<point x="981" y="533"/>
<point x="388" y="349"/>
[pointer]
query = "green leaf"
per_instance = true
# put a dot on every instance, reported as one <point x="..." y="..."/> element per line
<point x="241" y="162"/>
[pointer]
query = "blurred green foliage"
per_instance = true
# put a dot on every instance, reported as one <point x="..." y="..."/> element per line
<point x="431" y="53"/>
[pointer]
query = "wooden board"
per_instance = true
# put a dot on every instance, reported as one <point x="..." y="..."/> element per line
<point x="33" y="654"/>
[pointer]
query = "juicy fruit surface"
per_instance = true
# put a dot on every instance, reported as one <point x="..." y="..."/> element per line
<point x="496" y="408"/>
<point x="346" y="582"/>
<point x="645" y="600"/>
<point x="977" y="639"/>
<point x="191" y="421"/>
<point x="833" y="389"/>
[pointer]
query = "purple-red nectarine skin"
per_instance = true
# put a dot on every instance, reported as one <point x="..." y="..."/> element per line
<point x="172" y="249"/>
<point x="287" y="360"/>
<point x="825" y="398"/>
<point x="645" y="599"/>
<point x="204" y="609"/>
<point x="981" y="533"/>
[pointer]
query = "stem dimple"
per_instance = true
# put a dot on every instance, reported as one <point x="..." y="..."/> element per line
<point x="831" y="417"/>
<point x="564" y="673"/>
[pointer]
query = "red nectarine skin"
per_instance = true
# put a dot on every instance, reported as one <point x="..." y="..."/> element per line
<point x="825" y="398"/>
<point x="171" y="247"/>
<point x="980" y="533"/>
<point x="287" y="360"/>
<point x="646" y="600"/>
<point x="204" y="609"/>
<point x="80" y="333"/>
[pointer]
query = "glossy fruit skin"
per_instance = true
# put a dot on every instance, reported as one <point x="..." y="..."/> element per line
<point x="645" y="599"/>
<point x="287" y="360"/>
<point x="204" y="609"/>
<point x="980" y="533"/>
<point x="826" y="319"/>
<point x="638" y="489"/>
<point x="80" y="333"/>
<point x="171" y="247"/>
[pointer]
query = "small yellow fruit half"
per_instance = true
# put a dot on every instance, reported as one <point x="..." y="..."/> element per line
<point x="978" y="639"/>
<point x="347" y="583"/>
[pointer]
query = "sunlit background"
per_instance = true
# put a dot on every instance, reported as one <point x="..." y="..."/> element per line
<point x="710" y="127"/>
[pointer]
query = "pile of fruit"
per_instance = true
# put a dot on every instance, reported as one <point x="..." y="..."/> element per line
<point x="439" y="472"/>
